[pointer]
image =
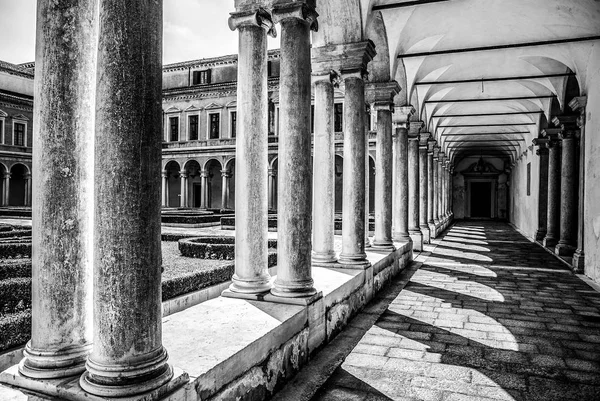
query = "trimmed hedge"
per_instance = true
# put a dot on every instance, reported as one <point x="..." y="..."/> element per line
<point x="229" y="221"/>
<point x="15" y="233"/>
<point x="208" y="247"/>
<point x="5" y="227"/>
<point x="15" y="268"/>
<point x="15" y="212"/>
<point x="190" y="219"/>
<point x="15" y="329"/>
<point x="18" y="250"/>
<point x="16" y="294"/>
<point x="175" y="237"/>
<point x="195" y="281"/>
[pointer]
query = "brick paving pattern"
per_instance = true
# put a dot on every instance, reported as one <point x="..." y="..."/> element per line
<point x="488" y="316"/>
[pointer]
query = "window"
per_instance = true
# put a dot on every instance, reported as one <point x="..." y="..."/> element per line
<point x="338" y="110"/>
<point x="2" y="130"/>
<point x="201" y="77"/>
<point x="214" y="125"/>
<point x="528" y="179"/>
<point x="19" y="134"/>
<point x="174" y="128"/>
<point x="193" y="127"/>
<point x="233" y="115"/>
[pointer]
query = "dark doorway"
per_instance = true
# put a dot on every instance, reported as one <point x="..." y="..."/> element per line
<point x="481" y="199"/>
<point x="197" y="194"/>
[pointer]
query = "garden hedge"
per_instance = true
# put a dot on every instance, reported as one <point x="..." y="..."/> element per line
<point x="211" y="247"/>
<point x="190" y="219"/>
<point x="16" y="294"/>
<point x="16" y="250"/>
<point x="15" y="329"/>
<point x="15" y="233"/>
<point x="15" y="268"/>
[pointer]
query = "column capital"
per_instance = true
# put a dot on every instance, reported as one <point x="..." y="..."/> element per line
<point x="552" y="135"/>
<point x="204" y="174"/>
<point x="253" y="17"/>
<point x="568" y="125"/>
<point x="272" y="172"/>
<point x="414" y="127"/>
<point x="347" y="58"/>
<point x="436" y="152"/>
<point x="7" y="174"/>
<point x="424" y="138"/>
<point x="402" y="115"/>
<point x="296" y="10"/>
<point x="578" y="103"/>
<point x="431" y="145"/>
<point x="331" y="77"/>
<point x="226" y="173"/>
<point x="541" y="144"/>
<point x="183" y="174"/>
<point x="381" y="92"/>
<point x="164" y="173"/>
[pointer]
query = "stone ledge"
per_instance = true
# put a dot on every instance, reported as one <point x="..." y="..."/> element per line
<point x="247" y="349"/>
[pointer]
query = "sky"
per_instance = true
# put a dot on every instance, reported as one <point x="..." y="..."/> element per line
<point x="192" y="29"/>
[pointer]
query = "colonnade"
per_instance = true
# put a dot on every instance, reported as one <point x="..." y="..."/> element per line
<point x="184" y="197"/>
<point x="25" y="196"/>
<point x="561" y="171"/>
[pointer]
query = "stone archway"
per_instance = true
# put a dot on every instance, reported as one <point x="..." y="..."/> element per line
<point x="214" y="184"/>
<point x="172" y="170"/>
<point x="192" y="168"/>
<point x="18" y="187"/>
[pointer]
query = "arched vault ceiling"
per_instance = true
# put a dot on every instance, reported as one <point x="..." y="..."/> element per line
<point x="494" y="100"/>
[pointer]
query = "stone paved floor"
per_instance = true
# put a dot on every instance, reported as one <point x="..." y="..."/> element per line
<point x="488" y="316"/>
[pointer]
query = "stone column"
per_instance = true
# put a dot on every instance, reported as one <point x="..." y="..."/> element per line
<point x="127" y="357"/>
<point x="553" y="218"/>
<point x="353" y="211"/>
<point x="62" y="210"/>
<point x="568" y="185"/>
<point x="272" y="194"/>
<point x="225" y="176"/>
<point x="423" y="187"/>
<point x="27" y="200"/>
<point x="251" y="214"/>
<point x="6" y="192"/>
<point x="294" y="198"/>
<point x="440" y="193"/>
<point x="400" y="174"/>
<point x="165" y="192"/>
<point x="324" y="169"/>
<point x="579" y="104"/>
<point x="414" y="229"/>
<point x="381" y="96"/>
<point x="183" y="188"/>
<point x="430" y="189"/>
<point x="542" y="152"/>
<point x="436" y="192"/>
<point x="204" y="202"/>
<point x="367" y="180"/>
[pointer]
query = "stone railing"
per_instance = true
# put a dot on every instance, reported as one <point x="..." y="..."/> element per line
<point x="13" y="148"/>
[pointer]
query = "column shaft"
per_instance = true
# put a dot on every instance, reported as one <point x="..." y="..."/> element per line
<point x="423" y="190"/>
<point x="128" y="357"/>
<point x="294" y="199"/>
<point x="63" y="203"/>
<point x="224" y="189"/>
<point x="436" y="192"/>
<point x="165" y="183"/>
<point x="324" y="173"/>
<point x="413" y="193"/>
<point x="204" y="202"/>
<point x="271" y="188"/>
<point x="553" y="218"/>
<point x="182" y="188"/>
<point x="367" y="185"/>
<point x="251" y="214"/>
<point x="540" y="233"/>
<point x="353" y="210"/>
<point x="430" y="193"/>
<point x="568" y="196"/>
<point x="400" y="187"/>
<point x="383" y="180"/>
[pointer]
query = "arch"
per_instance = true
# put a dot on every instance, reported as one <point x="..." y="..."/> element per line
<point x="19" y="177"/>
<point x="229" y="164"/>
<point x="230" y="168"/>
<point x="273" y="163"/>
<point x="194" y="180"/>
<point x="214" y="183"/>
<point x="371" y="184"/>
<point x="173" y="183"/>
<point x="379" y="67"/>
<point x="211" y="161"/>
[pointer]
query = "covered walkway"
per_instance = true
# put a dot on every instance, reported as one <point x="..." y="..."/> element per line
<point x="488" y="315"/>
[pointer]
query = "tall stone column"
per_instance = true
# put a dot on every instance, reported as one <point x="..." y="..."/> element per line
<point x="381" y="96"/>
<point x="272" y="185"/>
<point x="204" y="202"/>
<point x="165" y="188"/>
<point x="225" y="176"/>
<point x="436" y="192"/>
<point x="183" y="188"/>
<point x="553" y="218"/>
<point x="423" y="187"/>
<point x="6" y="189"/>
<point x="128" y="356"/>
<point x="367" y="180"/>
<point x="414" y="229"/>
<point x="353" y="213"/>
<point x="324" y="168"/>
<point x="430" y="188"/>
<point x="440" y="194"/>
<point x="401" y="118"/>
<point x="542" y="152"/>
<point x="579" y="104"/>
<point x="27" y="200"/>
<point x="568" y="185"/>
<point x="251" y="214"/>
<point x="294" y="198"/>
<point x="62" y="210"/>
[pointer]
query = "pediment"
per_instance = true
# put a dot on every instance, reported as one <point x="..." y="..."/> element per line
<point x="481" y="167"/>
<point x="192" y="108"/>
<point x="3" y="113"/>
<point x="20" y="117"/>
<point x="231" y="104"/>
<point x="213" y="106"/>
<point x="173" y="109"/>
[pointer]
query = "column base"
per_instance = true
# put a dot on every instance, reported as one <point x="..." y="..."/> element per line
<point x="417" y="240"/>
<point x="563" y="249"/>
<point x="367" y="242"/>
<point x="354" y="261"/>
<point x="549" y="242"/>
<point x="401" y="237"/>
<point x="323" y="259"/>
<point x="70" y="388"/>
<point x="298" y="289"/>
<point x="432" y="231"/>
<point x="426" y="234"/>
<point x="53" y="364"/>
<point x="387" y="246"/>
<point x="578" y="261"/>
<point x="251" y="287"/>
<point x="540" y="235"/>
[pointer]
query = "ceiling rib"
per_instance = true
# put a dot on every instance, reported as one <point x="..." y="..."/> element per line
<point x="485" y="141"/>
<point x="483" y="125"/>
<point x="405" y="4"/>
<point x="489" y="99"/>
<point x="497" y="79"/>
<point x="508" y="113"/>
<point x="501" y="47"/>
<point x="488" y="133"/>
